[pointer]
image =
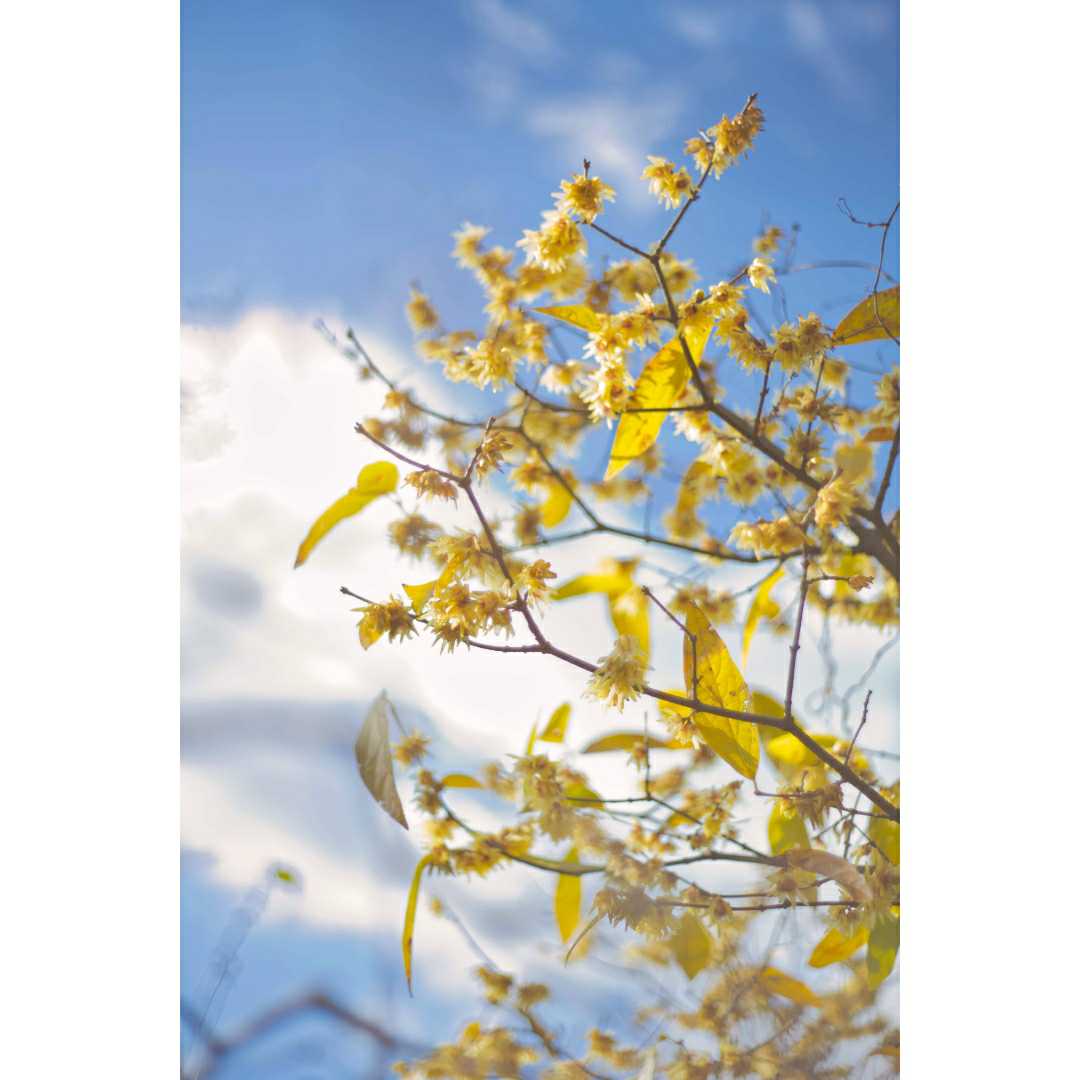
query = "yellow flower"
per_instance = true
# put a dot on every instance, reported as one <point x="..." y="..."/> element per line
<point x="760" y="273"/>
<point x="554" y="243"/>
<point x="422" y="316"/>
<point x="620" y="675"/>
<point x="583" y="195"/>
<point x="430" y="483"/>
<point x="670" y="185"/>
<point x="834" y="502"/>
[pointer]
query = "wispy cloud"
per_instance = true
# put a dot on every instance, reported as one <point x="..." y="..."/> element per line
<point x="818" y="40"/>
<point x="614" y="132"/>
<point x="516" y="30"/>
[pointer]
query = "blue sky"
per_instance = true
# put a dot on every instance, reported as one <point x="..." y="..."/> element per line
<point x="329" y="150"/>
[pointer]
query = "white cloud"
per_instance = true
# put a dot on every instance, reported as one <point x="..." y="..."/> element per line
<point x="276" y="683"/>
<point x="614" y="132"/>
<point x="819" y="42"/>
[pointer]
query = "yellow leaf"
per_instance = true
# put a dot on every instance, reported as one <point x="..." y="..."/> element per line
<point x="719" y="682"/>
<point x="568" y="900"/>
<point x="878" y="316"/>
<point x="531" y="743"/>
<point x="420" y="594"/>
<point x="763" y="605"/>
<point x="612" y="577"/>
<point x="886" y="834"/>
<point x="624" y="740"/>
<point x="556" y="725"/>
<point x="691" y="944"/>
<point x="660" y="385"/>
<point x="557" y="504"/>
<point x="374" y="480"/>
<point x="791" y="757"/>
<point x="410" y="920"/>
<point x="581" y="791"/>
<point x="836" y="946"/>
<point x="881" y="948"/>
<point x="827" y="865"/>
<point x="630" y="615"/>
<point x="786" y="830"/>
<point x="766" y="705"/>
<point x="575" y="314"/>
<point x="460" y="780"/>
<point x="776" y="982"/>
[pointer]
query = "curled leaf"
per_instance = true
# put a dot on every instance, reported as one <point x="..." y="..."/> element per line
<point x="410" y="920"/>
<point x="375" y="760"/>
<point x="557" y="504"/>
<point x="827" y="865"/>
<point x="374" y="480"/>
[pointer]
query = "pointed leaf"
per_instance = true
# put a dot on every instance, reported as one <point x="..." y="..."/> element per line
<point x="578" y="315"/>
<point x="691" y="944"/>
<point x="878" y="316"/>
<point x="555" y="731"/>
<point x="420" y="594"/>
<point x="660" y="385"/>
<point x="719" y="682"/>
<point x="625" y="740"/>
<point x="374" y="480"/>
<point x="776" y="982"/>
<point x="763" y="606"/>
<point x="612" y="577"/>
<point x="766" y="705"/>
<point x="836" y="946"/>
<point x="410" y="920"/>
<point x="531" y="743"/>
<point x="791" y="757"/>
<point x="831" y="866"/>
<point x="460" y="780"/>
<point x="375" y="761"/>
<point x="786" y="829"/>
<point x="568" y="900"/>
<point x="881" y="948"/>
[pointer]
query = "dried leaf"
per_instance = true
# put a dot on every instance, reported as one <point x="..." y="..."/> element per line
<point x="830" y="866"/>
<point x="659" y="386"/>
<point x="375" y="761"/>
<point x="568" y="900"/>
<point x="836" y="946"/>
<point x="878" y="316"/>
<point x="410" y="920"/>
<point x="374" y="480"/>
